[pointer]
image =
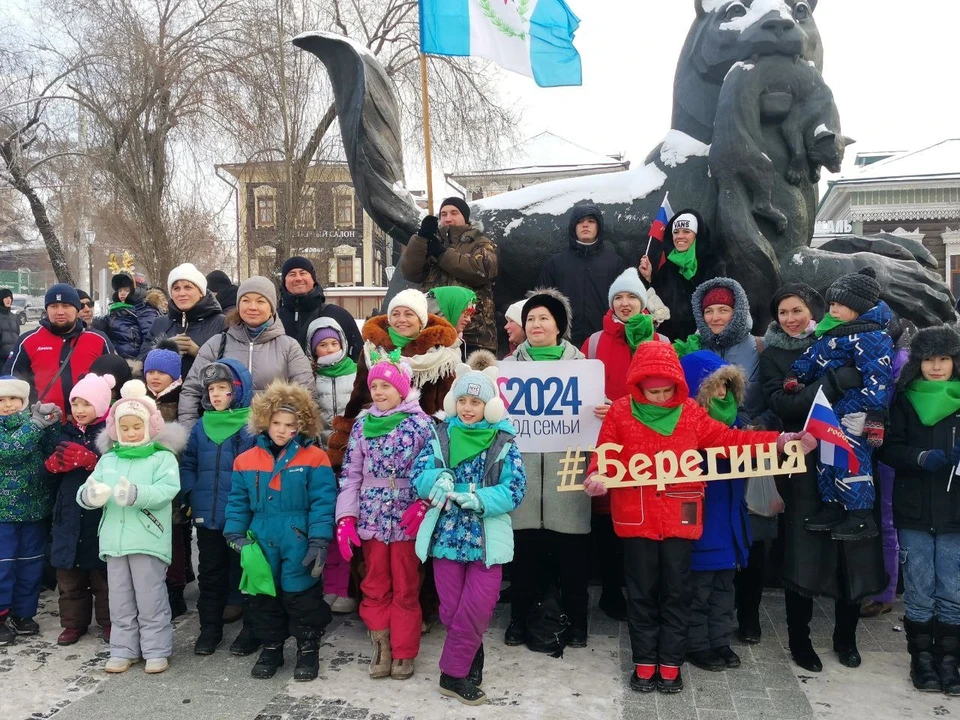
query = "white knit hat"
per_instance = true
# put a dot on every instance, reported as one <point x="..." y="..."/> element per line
<point x="515" y="312"/>
<point x="188" y="272"/>
<point x="413" y="299"/>
<point x="629" y="282"/>
<point x="134" y="402"/>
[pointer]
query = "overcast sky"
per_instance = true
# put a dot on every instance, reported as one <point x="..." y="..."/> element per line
<point x="892" y="67"/>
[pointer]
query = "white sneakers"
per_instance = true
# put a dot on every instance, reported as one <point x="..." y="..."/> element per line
<point x="120" y="665"/>
<point x="156" y="665"/>
<point x="340" y="605"/>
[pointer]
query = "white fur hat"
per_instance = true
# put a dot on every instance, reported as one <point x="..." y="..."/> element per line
<point x="413" y="299"/>
<point x="14" y="387"/>
<point x="187" y="272"/>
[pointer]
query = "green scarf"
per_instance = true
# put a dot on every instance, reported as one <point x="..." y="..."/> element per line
<point x="934" y="399"/>
<point x="453" y="300"/>
<point x="374" y="427"/>
<point x="691" y="345"/>
<point x="686" y="260"/>
<point x="222" y="424"/>
<point x="660" y="419"/>
<point x="553" y="352"/>
<point x="828" y="323"/>
<point x="639" y="329"/>
<point x="120" y="306"/>
<point x="131" y="452"/>
<point x="724" y="410"/>
<point x="468" y="442"/>
<point x="344" y="367"/>
<point x="398" y="340"/>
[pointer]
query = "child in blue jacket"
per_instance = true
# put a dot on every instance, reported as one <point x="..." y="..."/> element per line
<point x="474" y="476"/>
<point x="852" y="334"/>
<point x="206" y="470"/>
<point x="285" y="492"/>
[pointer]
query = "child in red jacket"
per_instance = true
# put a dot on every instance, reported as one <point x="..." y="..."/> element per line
<point x="658" y="527"/>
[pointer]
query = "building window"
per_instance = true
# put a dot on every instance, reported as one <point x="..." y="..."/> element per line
<point x="265" y="215"/>
<point x="344" y="270"/>
<point x="307" y="215"/>
<point x="343" y="209"/>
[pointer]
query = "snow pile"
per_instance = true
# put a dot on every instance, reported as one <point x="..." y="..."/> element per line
<point x="739" y="65"/>
<point x="821" y="130"/>
<point x="757" y="12"/>
<point x="556" y="198"/>
<point x="678" y="147"/>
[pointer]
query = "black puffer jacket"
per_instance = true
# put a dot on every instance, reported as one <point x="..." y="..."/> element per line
<point x="199" y="323"/>
<point x="296" y="312"/>
<point x="128" y="328"/>
<point x="9" y="332"/>
<point x="584" y="274"/>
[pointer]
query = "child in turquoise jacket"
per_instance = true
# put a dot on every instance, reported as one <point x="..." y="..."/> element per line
<point x="473" y="475"/>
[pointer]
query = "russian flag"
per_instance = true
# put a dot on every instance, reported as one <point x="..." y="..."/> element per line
<point x="659" y="226"/>
<point x="835" y="449"/>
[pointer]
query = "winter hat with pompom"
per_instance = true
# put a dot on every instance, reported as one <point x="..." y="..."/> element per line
<point x="859" y="292"/>
<point x="134" y="402"/>
<point x="165" y="357"/>
<point x="477" y="378"/>
<point x="392" y="369"/>
<point x="96" y="390"/>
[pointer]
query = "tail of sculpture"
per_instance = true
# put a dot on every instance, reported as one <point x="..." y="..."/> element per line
<point x="370" y="126"/>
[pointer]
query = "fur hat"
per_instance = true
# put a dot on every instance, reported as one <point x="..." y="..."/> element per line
<point x="96" y="390"/>
<point x="62" y="293"/>
<point x="927" y="343"/>
<point x="134" y="402"/>
<point x="556" y="303"/>
<point x="413" y="299"/>
<point x="628" y="282"/>
<point x="478" y="377"/>
<point x="165" y="357"/>
<point x="859" y="292"/>
<point x="391" y="369"/>
<point x="14" y="387"/>
<point x="122" y="280"/>
<point x="188" y="272"/>
<point x="280" y="395"/>
<point x="514" y="313"/>
<point x="460" y="204"/>
<point x="810" y="297"/>
<point x="261" y="286"/>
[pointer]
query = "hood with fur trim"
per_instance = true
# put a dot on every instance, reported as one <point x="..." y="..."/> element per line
<point x="706" y="373"/>
<point x="158" y="299"/>
<point x="656" y="360"/>
<point x="172" y="437"/>
<point x="279" y="394"/>
<point x="562" y="299"/>
<point x="927" y="343"/>
<point x="740" y="324"/>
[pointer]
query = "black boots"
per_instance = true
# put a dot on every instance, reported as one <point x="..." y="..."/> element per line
<point x="516" y="633"/>
<point x="178" y="605"/>
<point x="859" y="525"/>
<point x="829" y="516"/>
<point x="947" y="652"/>
<point x="923" y="668"/>
<point x="706" y="660"/>
<point x="308" y="660"/>
<point x="246" y="642"/>
<point x="210" y="638"/>
<point x="270" y="660"/>
<point x="805" y="656"/>
<point x="848" y="655"/>
<point x="461" y="689"/>
<point x="476" y="669"/>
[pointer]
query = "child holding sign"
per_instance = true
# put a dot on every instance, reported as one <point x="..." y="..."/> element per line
<point x="659" y="527"/>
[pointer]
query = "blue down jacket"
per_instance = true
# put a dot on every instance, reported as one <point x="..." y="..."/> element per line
<point x="129" y="328"/>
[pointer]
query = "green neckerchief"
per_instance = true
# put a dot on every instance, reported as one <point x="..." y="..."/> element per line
<point x="468" y="441"/>
<point x="453" y="300"/>
<point x="374" y="427"/>
<point x="222" y="424"/>
<point x="120" y="306"/>
<point x="723" y="410"/>
<point x="130" y="452"/>
<point x="639" y="329"/>
<point x="344" y="367"/>
<point x="828" y="323"/>
<point x="686" y="260"/>
<point x="934" y="399"/>
<point x="691" y="345"/>
<point x="398" y="340"/>
<point x="553" y="352"/>
<point x="660" y="419"/>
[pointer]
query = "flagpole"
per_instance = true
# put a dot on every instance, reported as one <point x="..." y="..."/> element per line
<point x="426" y="130"/>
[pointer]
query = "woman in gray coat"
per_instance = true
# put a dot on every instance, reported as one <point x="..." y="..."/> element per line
<point x="254" y="337"/>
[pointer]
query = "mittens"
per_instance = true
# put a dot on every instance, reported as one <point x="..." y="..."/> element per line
<point x="873" y="430"/>
<point x="45" y="415"/>
<point x="468" y="501"/>
<point x="412" y="518"/>
<point x="854" y="423"/>
<point x="95" y="494"/>
<point x="428" y="227"/>
<point x="792" y="385"/>
<point x="78" y="456"/>
<point x="347" y="537"/>
<point x="316" y="556"/>
<point x="441" y="488"/>
<point x="932" y="460"/>
<point x="124" y="493"/>
<point x="435" y="247"/>
<point x="594" y="487"/>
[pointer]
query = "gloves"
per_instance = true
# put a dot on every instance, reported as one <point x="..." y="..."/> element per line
<point x="125" y="493"/>
<point x="186" y="345"/>
<point x="56" y="464"/>
<point x="594" y="487"/>
<point x="854" y="423"/>
<point x="95" y="494"/>
<point x="76" y="455"/>
<point x="932" y="460"/>
<point x="807" y="441"/>
<point x="435" y="247"/>
<point x="428" y="228"/>
<point x="792" y="385"/>
<point x="237" y="541"/>
<point x="441" y="488"/>
<point x="45" y="415"/>
<point x="873" y="430"/>
<point x="468" y="501"/>
<point x="316" y="556"/>
<point x="412" y="518"/>
<point x="347" y="536"/>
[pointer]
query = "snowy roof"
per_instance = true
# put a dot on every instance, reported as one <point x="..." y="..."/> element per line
<point x="938" y="161"/>
<point x="548" y="153"/>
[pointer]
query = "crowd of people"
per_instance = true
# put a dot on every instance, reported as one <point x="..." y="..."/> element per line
<point x="328" y="469"/>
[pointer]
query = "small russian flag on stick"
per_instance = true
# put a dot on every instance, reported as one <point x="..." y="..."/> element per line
<point x="660" y="222"/>
<point x="835" y="449"/>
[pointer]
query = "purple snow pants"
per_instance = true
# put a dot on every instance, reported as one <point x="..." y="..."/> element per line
<point x="891" y="548"/>
<point x="468" y="595"/>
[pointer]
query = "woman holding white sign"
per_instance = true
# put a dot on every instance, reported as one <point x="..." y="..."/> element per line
<point x="550" y="528"/>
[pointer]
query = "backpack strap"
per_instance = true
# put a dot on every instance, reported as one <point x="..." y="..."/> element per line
<point x="592" y="345"/>
<point x="223" y="345"/>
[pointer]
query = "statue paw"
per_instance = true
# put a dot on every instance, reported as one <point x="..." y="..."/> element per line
<point x="796" y="174"/>
<point x="770" y="213"/>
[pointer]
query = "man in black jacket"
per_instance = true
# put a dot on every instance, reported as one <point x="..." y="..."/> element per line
<point x="302" y="302"/>
<point x="584" y="271"/>
<point x="9" y="325"/>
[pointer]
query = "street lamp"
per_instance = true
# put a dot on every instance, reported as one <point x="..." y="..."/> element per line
<point x="91" y="237"/>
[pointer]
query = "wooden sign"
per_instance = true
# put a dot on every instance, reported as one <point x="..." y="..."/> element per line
<point x="667" y="468"/>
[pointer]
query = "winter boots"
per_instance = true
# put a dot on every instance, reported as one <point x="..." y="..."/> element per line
<point x="381" y="664"/>
<point x="859" y="525"/>
<point x="71" y="636"/>
<point x="270" y="660"/>
<point x="209" y="640"/>
<point x="246" y="642"/>
<point x="476" y="668"/>
<point x="402" y="669"/>
<point x="461" y="689"/>
<point x="923" y="668"/>
<point x="948" y="654"/>
<point x="308" y="660"/>
<point x="829" y="516"/>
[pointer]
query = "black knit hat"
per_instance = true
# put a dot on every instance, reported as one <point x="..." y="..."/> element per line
<point x="858" y="292"/>
<point x="218" y="280"/>
<point x="298" y="263"/>
<point x="927" y="343"/>
<point x="460" y="204"/>
<point x="555" y="304"/>
<point x="810" y="297"/>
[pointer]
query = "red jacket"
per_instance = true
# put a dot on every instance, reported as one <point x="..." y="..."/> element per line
<point x="678" y="511"/>
<point x="39" y="354"/>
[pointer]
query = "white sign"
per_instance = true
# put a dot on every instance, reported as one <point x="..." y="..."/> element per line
<point x="551" y="403"/>
<point x="833" y="227"/>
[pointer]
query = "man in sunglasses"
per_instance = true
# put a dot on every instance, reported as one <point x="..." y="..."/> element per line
<point x="86" y="308"/>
